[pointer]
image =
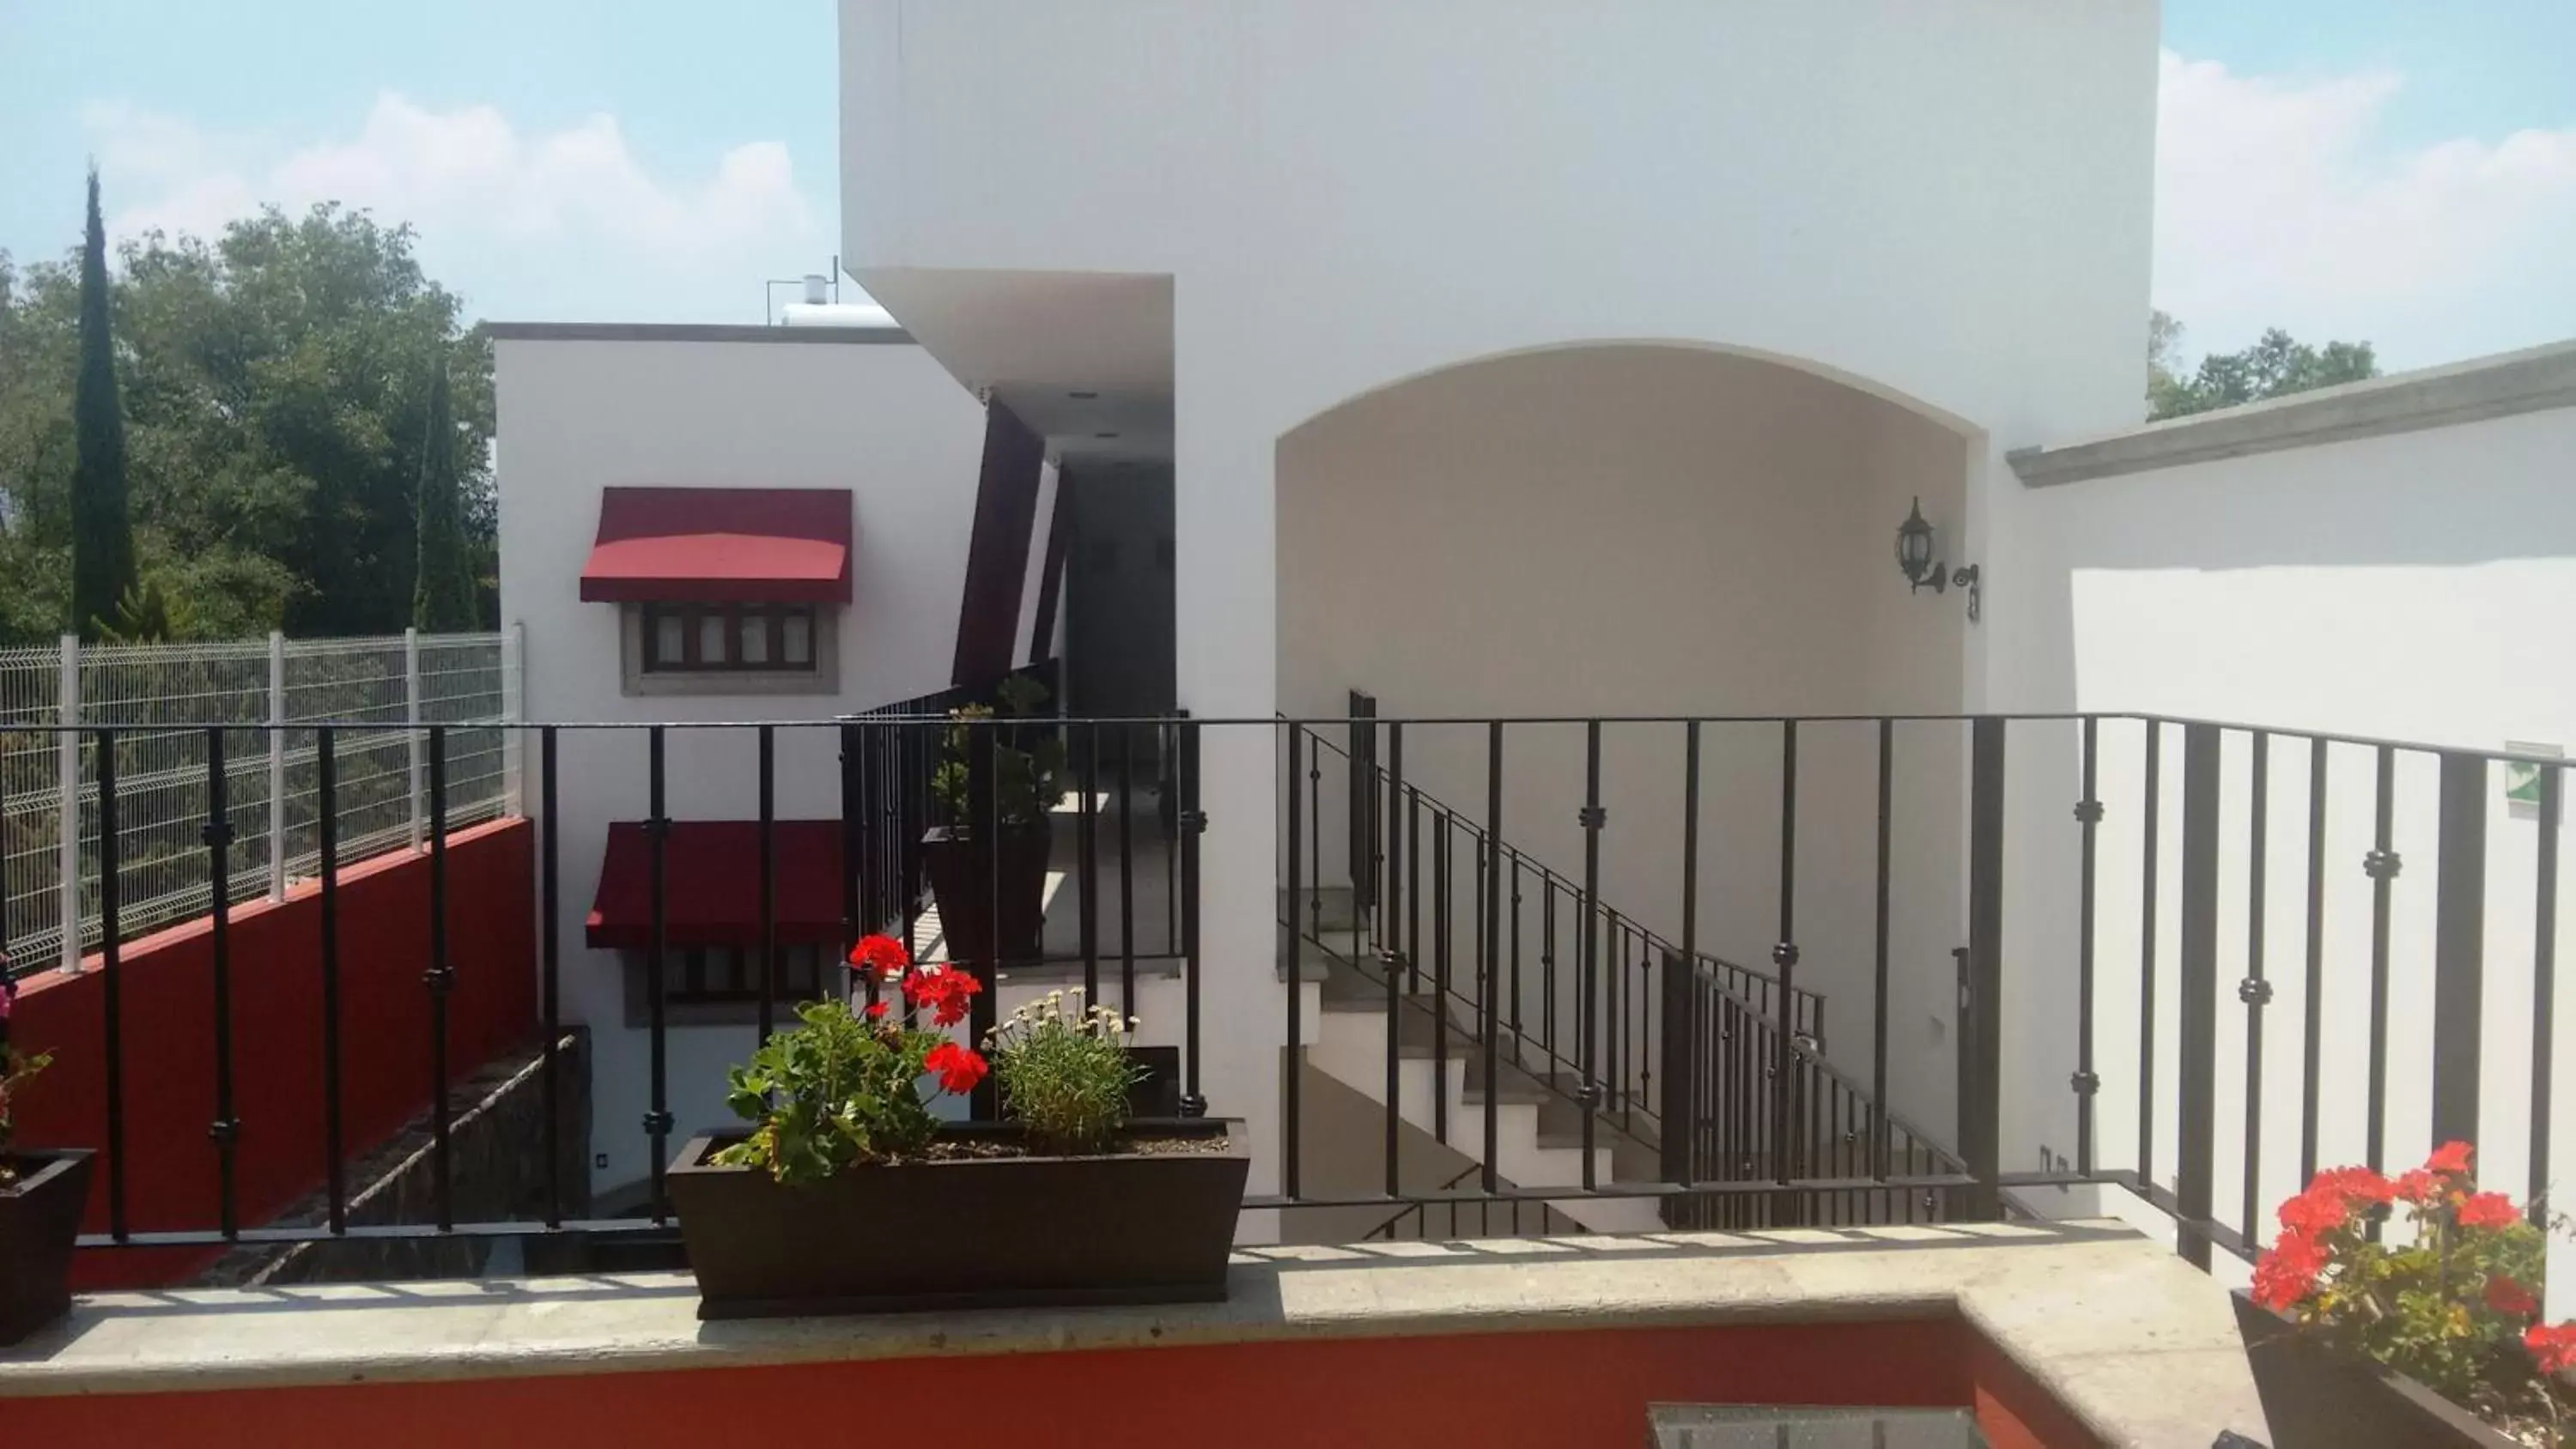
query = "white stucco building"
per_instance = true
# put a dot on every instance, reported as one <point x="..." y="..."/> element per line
<point x="1547" y="363"/>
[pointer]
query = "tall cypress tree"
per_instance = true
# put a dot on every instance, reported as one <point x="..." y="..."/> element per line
<point x="102" y="534"/>
<point x="442" y="595"/>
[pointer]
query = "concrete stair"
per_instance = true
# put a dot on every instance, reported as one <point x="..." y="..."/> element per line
<point x="1537" y="1125"/>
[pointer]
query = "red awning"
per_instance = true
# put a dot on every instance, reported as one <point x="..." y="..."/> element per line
<point x="721" y="546"/>
<point x="712" y="870"/>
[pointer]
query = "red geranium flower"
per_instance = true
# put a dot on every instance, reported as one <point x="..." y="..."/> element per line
<point x="2358" y="1184"/>
<point x="2288" y="1270"/>
<point x="2416" y="1186"/>
<point x="2450" y="1157"/>
<point x="2488" y="1210"/>
<point x="2506" y="1296"/>
<point x="944" y="991"/>
<point x="876" y="1011"/>
<point x="2321" y="1209"/>
<point x="958" y="1068"/>
<point x="880" y="953"/>
<point x="2553" y="1346"/>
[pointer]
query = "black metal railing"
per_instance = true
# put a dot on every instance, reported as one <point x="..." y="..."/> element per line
<point x="1753" y="1117"/>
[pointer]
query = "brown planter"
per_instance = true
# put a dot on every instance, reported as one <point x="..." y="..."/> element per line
<point x="998" y="1232"/>
<point x="2315" y="1398"/>
<point x="39" y="1218"/>
<point x="962" y="877"/>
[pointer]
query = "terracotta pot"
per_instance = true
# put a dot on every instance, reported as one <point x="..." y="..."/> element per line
<point x="996" y="1232"/>
<point x="962" y="876"/>
<point x="39" y="1217"/>
<point x="2316" y="1398"/>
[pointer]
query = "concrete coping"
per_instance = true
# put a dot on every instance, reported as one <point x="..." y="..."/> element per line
<point x="2436" y="397"/>
<point x="2137" y="1345"/>
<point x="687" y="332"/>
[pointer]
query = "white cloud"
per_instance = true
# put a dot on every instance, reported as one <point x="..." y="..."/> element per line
<point x="572" y="215"/>
<point x="2277" y="204"/>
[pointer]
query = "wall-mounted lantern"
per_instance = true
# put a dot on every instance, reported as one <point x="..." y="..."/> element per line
<point x="1914" y="557"/>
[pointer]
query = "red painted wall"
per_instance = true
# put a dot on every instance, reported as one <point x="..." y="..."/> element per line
<point x="1557" y="1390"/>
<point x="166" y="982"/>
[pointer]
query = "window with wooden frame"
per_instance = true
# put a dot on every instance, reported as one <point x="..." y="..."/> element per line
<point x="728" y="638"/>
<point x="732" y="973"/>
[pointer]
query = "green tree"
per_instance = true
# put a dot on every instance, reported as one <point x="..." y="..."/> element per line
<point x="276" y="385"/>
<point x="102" y="533"/>
<point x="442" y="598"/>
<point x="2275" y="366"/>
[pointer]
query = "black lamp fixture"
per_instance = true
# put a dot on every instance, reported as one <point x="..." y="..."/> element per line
<point x="1914" y="546"/>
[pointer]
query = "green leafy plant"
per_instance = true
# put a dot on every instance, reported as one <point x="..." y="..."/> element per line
<point x="846" y="1088"/>
<point x="16" y="1069"/>
<point x="1028" y="759"/>
<point x="1065" y="1071"/>
<point x="2457" y="1309"/>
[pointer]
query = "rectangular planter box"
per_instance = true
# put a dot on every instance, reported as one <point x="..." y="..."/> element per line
<point x="1002" y="1232"/>
<point x="2315" y="1398"/>
<point x="39" y="1218"/>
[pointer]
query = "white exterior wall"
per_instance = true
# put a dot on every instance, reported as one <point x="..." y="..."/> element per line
<point x="1946" y="204"/>
<point x="2411" y="586"/>
<point x="1652" y="532"/>
<point x="879" y="419"/>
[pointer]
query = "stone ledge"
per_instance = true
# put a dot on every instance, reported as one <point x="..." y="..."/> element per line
<point x="2435" y="397"/>
<point x="2137" y="1345"/>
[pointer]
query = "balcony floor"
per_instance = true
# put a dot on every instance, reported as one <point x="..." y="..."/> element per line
<point x="2135" y="1345"/>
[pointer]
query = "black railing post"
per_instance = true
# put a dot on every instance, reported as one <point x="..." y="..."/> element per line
<point x="1440" y="934"/>
<point x="550" y="956"/>
<point x="2381" y="865"/>
<point x="2256" y="989"/>
<point x="1784" y="955"/>
<point x="862" y="818"/>
<point x="1390" y="962"/>
<point x="2088" y="816"/>
<point x="326" y="823"/>
<point x="1296" y="952"/>
<point x="854" y="849"/>
<point x="225" y="1130"/>
<point x="2544" y="991"/>
<point x="1193" y="823"/>
<point x="1126" y="874"/>
<point x="111" y="929"/>
<point x="768" y="787"/>
<point x="657" y="832"/>
<point x="441" y="980"/>
<point x="1489" y="943"/>
<point x="1363" y="813"/>
<point x="2196" y="982"/>
<point x="1981" y="1009"/>
<point x="1878" y="954"/>
<point x="984" y="809"/>
<point x="1087" y="868"/>
<point x="1588" y="946"/>
<point x="2459" y="947"/>
<point x="2313" y="1003"/>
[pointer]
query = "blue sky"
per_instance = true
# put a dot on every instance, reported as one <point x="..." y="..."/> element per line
<point x="2384" y="169"/>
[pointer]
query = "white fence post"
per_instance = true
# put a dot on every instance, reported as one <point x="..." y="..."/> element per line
<point x="276" y="766"/>
<point x="411" y="716"/>
<point x="67" y="752"/>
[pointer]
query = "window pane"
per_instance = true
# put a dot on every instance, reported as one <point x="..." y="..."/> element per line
<point x="668" y="640"/>
<point x="711" y="638"/>
<point x="754" y="631"/>
<point x="797" y="648"/>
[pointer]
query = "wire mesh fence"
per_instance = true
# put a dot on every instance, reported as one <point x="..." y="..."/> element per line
<point x="161" y="698"/>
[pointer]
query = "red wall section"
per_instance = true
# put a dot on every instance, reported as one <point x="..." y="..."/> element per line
<point x="166" y="985"/>
<point x="1557" y="1390"/>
